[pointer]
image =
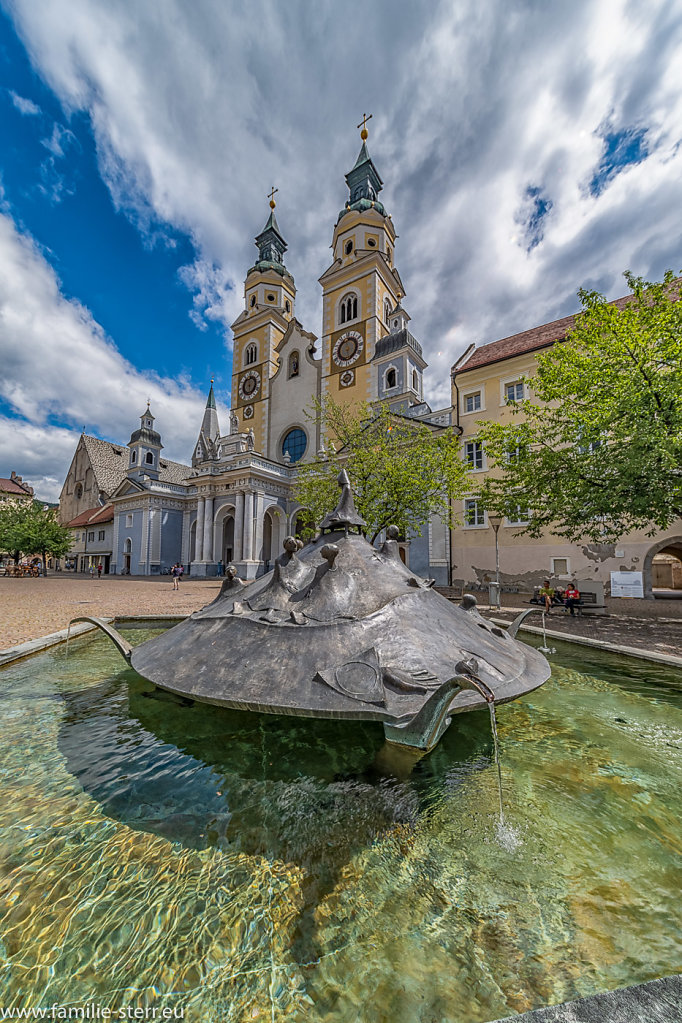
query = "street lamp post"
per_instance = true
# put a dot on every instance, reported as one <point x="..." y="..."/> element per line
<point x="495" y="521"/>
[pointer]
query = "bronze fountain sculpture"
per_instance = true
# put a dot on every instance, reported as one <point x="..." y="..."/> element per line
<point x="341" y="629"/>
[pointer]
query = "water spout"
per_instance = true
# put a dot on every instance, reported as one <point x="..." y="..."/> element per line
<point x="544" y="649"/>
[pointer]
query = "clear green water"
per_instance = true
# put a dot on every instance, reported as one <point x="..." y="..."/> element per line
<point x="241" y="868"/>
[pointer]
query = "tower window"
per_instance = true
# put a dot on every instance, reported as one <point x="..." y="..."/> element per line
<point x="415" y="381"/>
<point x="348" y="309"/>
<point x="149" y="458"/>
<point x="133" y="457"/>
<point x="293" y="364"/>
<point x="387" y="311"/>
<point x="287" y="306"/>
<point x="295" y="444"/>
<point x="371" y="243"/>
<point x="271" y="298"/>
<point x="251" y="354"/>
<point x="253" y="301"/>
<point x="391" y="378"/>
<point x="348" y="248"/>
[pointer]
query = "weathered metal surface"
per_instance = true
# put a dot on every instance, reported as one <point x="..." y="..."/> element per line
<point x="342" y="630"/>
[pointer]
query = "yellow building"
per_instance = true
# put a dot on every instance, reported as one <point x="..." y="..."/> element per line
<point x="484" y="380"/>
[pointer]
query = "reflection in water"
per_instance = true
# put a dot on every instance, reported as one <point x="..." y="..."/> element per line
<point x="249" y="867"/>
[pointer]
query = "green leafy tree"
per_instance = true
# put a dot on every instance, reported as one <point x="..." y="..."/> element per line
<point x="598" y="451"/>
<point x="401" y="471"/>
<point x="30" y="528"/>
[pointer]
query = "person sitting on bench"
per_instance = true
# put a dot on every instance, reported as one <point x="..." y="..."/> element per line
<point x="571" y="598"/>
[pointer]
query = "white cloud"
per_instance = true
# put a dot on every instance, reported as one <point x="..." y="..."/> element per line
<point x="58" y="366"/>
<point x="25" y="106"/>
<point x="198" y="109"/>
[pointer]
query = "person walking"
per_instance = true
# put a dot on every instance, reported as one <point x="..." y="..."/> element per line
<point x="175" y="572"/>
<point x="91" y="570"/>
<point x="99" y="570"/>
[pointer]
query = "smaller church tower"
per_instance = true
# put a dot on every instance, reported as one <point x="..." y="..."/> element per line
<point x="399" y="363"/>
<point x="269" y="295"/>
<point x="206" y="446"/>
<point x="145" y="448"/>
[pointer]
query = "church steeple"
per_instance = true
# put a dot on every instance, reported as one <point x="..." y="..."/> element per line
<point x="269" y="295"/>
<point x="270" y="242"/>
<point x="363" y="180"/>
<point x="209" y="433"/>
<point x="145" y="447"/>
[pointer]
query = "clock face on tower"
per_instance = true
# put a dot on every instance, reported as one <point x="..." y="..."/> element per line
<point x="249" y="384"/>
<point x="348" y="348"/>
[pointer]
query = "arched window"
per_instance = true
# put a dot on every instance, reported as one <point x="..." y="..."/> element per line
<point x="149" y="458"/>
<point x="415" y="381"/>
<point x="348" y="310"/>
<point x="391" y="378"/>
<point x="133" y="457"/>
<point x="294" y="444"/>
<point x="387" y="311"/>
<point x="251" y="354"/>
<point x="293" y="364"/>
<point x="128" y="546"/>
<point x="348" y="248"/>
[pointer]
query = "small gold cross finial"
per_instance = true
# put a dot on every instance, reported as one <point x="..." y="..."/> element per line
<point x="272" y="197"/>
<point x="363" y="124"/>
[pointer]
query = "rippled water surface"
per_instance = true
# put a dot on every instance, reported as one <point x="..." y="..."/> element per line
<point x="242" y="867"/>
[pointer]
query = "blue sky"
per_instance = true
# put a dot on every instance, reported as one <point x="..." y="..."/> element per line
<point x="527" y="151"/>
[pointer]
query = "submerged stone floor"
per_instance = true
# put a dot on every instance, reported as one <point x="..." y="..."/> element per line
<point x="659" y="1001"/>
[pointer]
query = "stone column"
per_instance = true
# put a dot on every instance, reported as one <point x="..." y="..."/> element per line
<point x="247" y="531"/>
<point x="199" y="541"/>
<point x="258" y="531"/>
<point x="238" y="551"/>
<point x="208" y="530"/>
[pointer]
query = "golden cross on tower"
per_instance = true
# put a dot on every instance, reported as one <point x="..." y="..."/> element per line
<point x="272" y="197"/>
<point x="363" y="124"/>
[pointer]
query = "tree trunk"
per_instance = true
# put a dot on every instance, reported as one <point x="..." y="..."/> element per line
<point x="44" y="563"/>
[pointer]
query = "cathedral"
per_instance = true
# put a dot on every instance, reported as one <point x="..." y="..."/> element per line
<point x="236" y="502"/>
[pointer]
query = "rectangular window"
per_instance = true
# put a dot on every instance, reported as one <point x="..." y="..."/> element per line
<point x="83" y="538"/>
<point x="513" y="392"/>
<point x="519" y="517"/>
<point x="101" y="534"/>
<point x="513" y="455"/>
<point x="560" y="566"/>
<point x="129" y="520"/>
<point x="472" y="402"/>
<point x="91" y="535"/>
<point x="474" y="515"/>
<point x="473" y="453"/>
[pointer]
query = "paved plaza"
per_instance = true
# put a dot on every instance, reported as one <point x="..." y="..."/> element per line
<point x="31" y="608"/>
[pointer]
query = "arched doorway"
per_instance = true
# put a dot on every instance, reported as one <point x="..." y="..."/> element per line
<point x="663" y="569"/>
<point x="227" y="545"/>
<point x="127" y="555"/>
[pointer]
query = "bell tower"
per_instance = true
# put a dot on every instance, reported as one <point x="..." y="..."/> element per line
<point x="361" y="287"/>
<point x="269" y="295"/>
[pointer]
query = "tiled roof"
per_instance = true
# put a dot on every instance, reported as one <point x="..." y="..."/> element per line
<point x="110" y="464"/>
<point x="10" y="487"/>
<point x="93" y="516"/>
<point x="527" y="341"/>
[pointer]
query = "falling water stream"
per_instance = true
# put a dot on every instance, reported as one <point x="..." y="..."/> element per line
<point x="240" y="867"/>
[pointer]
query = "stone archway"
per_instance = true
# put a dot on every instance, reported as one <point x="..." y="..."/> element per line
<point x="672" y="545"/>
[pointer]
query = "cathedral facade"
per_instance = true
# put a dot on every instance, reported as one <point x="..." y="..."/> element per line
<point x="237" y="502"/>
